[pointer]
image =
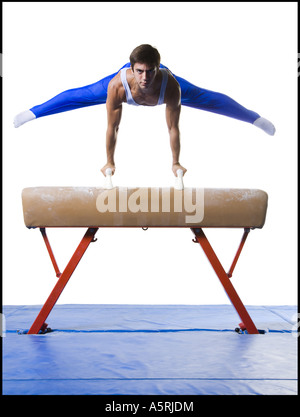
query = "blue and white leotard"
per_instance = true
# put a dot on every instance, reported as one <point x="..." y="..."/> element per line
<point x="191" y="96"/>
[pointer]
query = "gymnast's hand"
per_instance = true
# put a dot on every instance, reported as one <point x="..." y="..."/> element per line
<point x="177" y="166"/>
<point x="108" y="165"/>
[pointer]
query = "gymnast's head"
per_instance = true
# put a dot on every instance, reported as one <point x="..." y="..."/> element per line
<point x="145" y="54"/>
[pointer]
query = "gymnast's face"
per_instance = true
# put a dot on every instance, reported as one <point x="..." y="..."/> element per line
<point x="144" y="75"/>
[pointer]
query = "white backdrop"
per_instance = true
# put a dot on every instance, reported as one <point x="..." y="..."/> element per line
<point x="245" y="50"/>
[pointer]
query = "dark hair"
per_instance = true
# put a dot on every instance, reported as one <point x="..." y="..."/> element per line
<point x="145" y="54"/>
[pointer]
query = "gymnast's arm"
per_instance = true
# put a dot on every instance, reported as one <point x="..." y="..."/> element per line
<point x="114" y="114"/>
<point x="173" y="107"/>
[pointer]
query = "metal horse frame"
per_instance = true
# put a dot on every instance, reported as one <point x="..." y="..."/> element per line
<point x="40" y="326"/>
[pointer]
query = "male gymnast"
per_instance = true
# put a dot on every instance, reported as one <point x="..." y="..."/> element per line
<point x="144" y="81"/>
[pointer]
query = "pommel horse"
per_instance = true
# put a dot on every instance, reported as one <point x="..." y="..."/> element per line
<point x="93" y="208"/>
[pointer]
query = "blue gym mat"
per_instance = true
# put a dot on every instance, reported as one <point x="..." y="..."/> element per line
<point x="150" y="350"/>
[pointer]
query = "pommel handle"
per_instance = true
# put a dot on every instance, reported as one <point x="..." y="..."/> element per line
<point x="178" y="180"/>
<point x="108" y="185"/>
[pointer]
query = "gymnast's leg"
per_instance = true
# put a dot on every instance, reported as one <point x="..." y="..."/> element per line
<point x="75" y="98"/>
<point x="67" y="100"/>
<point x="199" y="98"/>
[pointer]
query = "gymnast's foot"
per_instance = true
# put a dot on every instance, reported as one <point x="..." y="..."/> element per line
<point x="265" y="125"/>
<point x="23" y="117"/>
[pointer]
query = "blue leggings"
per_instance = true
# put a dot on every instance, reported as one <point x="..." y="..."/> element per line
<point x="191" y="96"/>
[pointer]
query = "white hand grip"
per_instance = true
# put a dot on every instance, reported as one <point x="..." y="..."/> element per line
<point x="178" y="180"/>
<point x="108" y="182"/>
